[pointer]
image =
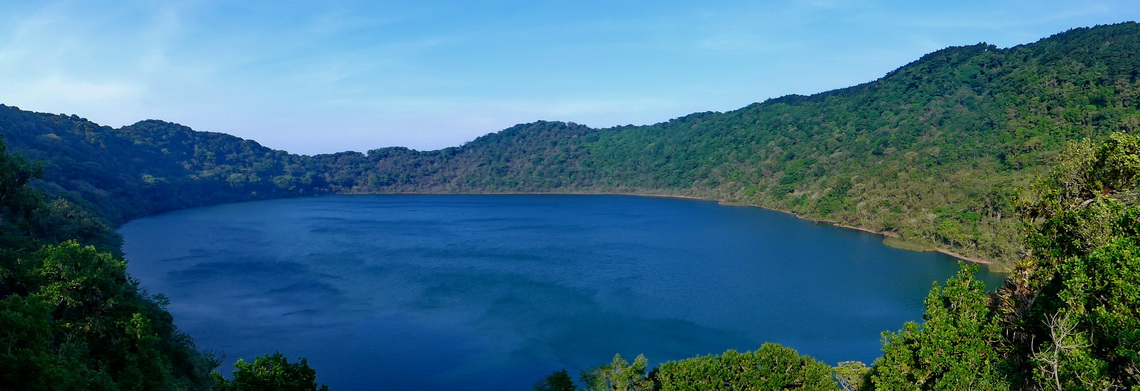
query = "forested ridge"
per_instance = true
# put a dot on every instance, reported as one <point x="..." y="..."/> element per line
<point x="932" y="152"/>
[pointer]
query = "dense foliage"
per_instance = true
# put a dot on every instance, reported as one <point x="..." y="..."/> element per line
<point x="70" y="317"/>
<point x="269" y="373"/>
<point x="557" y="381"/>
<point x="1072" y="310"/>
<point x="955" y="347"/>
<point x="931" y="152"/>
<point x="772" y="367"/>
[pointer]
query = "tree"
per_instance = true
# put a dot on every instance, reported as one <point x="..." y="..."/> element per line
<point x="852" y="375"/>
<point x="27" y="359"/>
<point x="70" y="317"/>
<point x="103" y="323"/>
<point x="269" y="373"/>
<point x="956" y="346"/>
<point x="61" y="220"/>
<point x="86" y="287"/>
<point x="557" y="381"/>
<point x="772" y="367"/>
<point x="1072" y="311"/>
<point x="18" y="202"/>
<point x="619" y="375"/>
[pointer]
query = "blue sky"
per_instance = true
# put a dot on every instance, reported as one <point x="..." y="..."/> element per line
<point x="318" y="77"/>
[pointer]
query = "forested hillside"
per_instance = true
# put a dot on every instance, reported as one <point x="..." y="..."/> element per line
<point x="931" y="152"/>
<point x="149" y="167"/>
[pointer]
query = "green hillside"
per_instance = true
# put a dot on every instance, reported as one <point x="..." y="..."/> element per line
<point x="148" y="167"/>
<point x="932" y="152"/>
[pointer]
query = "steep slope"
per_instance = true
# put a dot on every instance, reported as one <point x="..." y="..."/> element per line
<point x="931" y="152"/>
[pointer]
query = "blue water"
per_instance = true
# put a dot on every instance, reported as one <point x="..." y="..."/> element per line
<point x="487" y="292"/>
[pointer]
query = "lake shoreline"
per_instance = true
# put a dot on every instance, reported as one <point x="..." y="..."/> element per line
<point x="991" y="265"/>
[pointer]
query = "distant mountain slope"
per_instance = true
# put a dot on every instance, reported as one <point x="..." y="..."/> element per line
<point x="932" y="152"/>
<point x="151" y="166"/>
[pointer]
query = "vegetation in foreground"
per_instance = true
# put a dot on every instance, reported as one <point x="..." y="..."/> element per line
<point x="269" y="373"/>
<point x="72" y="319"/>
<point x="1068" y="318"/>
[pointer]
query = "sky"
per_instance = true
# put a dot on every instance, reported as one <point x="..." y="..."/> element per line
<point x="328" y="76"/>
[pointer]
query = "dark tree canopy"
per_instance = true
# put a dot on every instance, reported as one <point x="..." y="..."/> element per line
<point x="71" y="317"/>
<point x="557" y="381"/>
<point x="270" y="373"/>
<point x="772" y="367"/>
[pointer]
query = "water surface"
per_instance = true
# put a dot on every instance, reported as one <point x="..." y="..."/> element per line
<point x="495" y="292"/>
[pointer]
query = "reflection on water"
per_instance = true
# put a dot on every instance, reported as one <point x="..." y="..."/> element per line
<point x="495" y="292"/>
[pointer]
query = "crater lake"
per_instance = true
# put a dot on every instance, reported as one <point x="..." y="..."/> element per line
<point x="490" y="292"/>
